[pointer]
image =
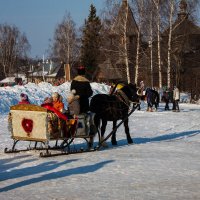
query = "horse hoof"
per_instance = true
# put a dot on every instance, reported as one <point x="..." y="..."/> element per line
<point x="104" y="144"/>
<point x="90" y="144"/>
<point x="114" y="143"/>
<point x="130" y="142"/>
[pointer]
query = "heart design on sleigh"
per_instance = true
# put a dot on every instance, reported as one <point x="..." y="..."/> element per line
<point x="27" y="125"/>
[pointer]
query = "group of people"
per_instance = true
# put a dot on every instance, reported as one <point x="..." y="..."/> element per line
<point x="78" y="98"/>
<point x="172" y="96"/>
<point x="152" y="97"/>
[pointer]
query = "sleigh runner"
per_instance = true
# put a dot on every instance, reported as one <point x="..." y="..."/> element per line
<point x="35" y="123"/>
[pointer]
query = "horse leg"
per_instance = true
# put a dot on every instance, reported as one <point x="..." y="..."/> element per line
<point x="113" y="139"/>
<point x="94" y="125"/>
<point x="103" y="129"/>
<point x="129" y="139"/>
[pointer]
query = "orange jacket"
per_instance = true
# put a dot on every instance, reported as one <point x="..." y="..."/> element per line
<point x="58" y="105"/>
<point x="50" y="107"/>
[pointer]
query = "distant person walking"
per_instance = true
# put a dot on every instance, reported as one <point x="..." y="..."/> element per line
<point x="166" y="98"/>
<point x="176" y="99"/>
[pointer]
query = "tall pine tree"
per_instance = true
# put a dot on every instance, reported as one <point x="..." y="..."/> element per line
<point x="91" y="41"/>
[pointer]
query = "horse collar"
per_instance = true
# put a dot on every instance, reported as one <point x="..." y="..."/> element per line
<point x="122" y="97"/>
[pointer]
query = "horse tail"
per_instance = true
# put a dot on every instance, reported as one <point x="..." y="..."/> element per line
<point x="96" y="121"/>
<point x="157" y="98"/>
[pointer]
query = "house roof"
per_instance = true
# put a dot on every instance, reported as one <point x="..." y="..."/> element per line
<point x="12" y="79"/>
<point x="183" y="25"/>
<point x="8" y="80"/>
<point x="131" y="25"/>
<point x="49" y="69"/>
<point x="108" y="71"/>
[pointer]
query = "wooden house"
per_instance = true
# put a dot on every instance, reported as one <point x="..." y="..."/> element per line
<point x="185" y="55"/>
<point x="46" y="71"/>
<point x="112" y="58"/>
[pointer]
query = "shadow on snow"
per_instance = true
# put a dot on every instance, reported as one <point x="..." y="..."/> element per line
<point x="52" y="175"/>
<point x="168" y="137"/>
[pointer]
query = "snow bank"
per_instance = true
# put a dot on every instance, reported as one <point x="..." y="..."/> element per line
<point x="37" y="92"/>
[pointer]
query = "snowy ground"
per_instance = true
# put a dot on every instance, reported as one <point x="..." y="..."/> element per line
<point x="162" y="164"/>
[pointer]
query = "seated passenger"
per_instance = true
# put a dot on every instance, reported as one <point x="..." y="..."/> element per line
<point x="24" y="99"/>
<point x="57" y="102"/>
<point x="48" y="104"/>
<point x="73" y="103"/>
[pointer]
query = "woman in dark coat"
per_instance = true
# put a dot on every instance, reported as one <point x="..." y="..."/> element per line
<point x="82" y="86"/>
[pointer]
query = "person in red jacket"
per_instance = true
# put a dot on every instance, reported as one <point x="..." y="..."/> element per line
<point x="48" y="104"/>
<point x="24" y="99"/>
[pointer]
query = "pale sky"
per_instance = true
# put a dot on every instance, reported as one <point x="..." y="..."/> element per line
<point x="38" y="18"/>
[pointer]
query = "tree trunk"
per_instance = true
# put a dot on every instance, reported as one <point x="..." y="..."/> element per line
<point x="169" y="45"/>
<point x="125" y="46"/>
<point x="158" y="37"/>
<point x="140" y="8"/>
<point x="151" y="48"/>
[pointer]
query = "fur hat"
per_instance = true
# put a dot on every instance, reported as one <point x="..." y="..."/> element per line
<point x="55" y="94"/>
<point x="72" y="96"/>
<point x="81" y="70"/>
<point x="24" y="97"/>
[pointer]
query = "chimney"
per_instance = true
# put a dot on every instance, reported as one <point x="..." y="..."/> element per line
<point x="67" y="72"/>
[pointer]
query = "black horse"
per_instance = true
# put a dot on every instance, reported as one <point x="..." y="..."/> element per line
<point x="113" y="107"/>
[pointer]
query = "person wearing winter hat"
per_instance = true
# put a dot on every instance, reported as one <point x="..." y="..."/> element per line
<point x="57" y="102"/>
<point x="48" y="104"/>
<point x="81" y="70"/>
<point x="82" y="86"/>
<point x="73" y="103"/>
<point x="24" y="99"/>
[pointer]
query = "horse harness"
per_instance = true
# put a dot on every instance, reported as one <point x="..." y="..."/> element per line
<point x="122" y="97"/>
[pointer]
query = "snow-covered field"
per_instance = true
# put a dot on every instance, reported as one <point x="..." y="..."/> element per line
<point x="162" y="164"/>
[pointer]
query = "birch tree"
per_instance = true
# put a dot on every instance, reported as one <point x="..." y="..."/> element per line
<point x="157" y="5"/>
<point x="116" y="23"/>
<point x="171" y="2"/>
<point x="151" y="46"/>
<point x="124" y="41"/>
<point x="141" y="9"/>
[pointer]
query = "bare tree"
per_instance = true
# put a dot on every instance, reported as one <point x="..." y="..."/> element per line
<point x="13" y="47"/>
<point x="157" y="5"/>
<point x="117" y="22"/>
<point x="124" y="40"/>
<point x="65" y="43"/>
<point x="171" y="5"/>
<point x="140" y="7"/>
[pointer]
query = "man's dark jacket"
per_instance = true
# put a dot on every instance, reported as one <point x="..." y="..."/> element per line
<point x="84" y="90"/>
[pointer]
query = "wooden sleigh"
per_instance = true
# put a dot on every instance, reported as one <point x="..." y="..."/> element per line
<point x="35" y="123"/>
